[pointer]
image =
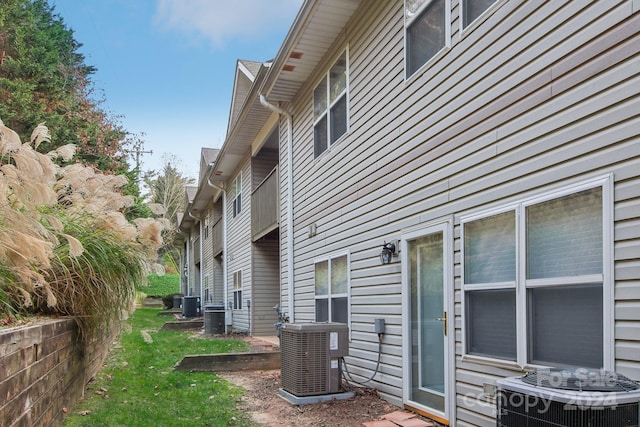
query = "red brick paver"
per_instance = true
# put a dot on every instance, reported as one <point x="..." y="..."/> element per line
<point x="415" y="422"/>
<point x="383" y="423"/>
<point x="398" y="416"/>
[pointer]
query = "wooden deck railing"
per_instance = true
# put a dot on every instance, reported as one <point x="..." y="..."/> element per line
<point x="265" y="206"/>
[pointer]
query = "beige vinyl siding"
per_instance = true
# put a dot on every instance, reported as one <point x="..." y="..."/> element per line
<point x="218" y="281"/>
<point x="539" y="96"/>
<point x="206" y="263"/>
<point x="265" y="289"/>
<point x="627" y="272"/>
<point x="284" y="212"/>
<point x="217" y="262"/>
<point x="194" y="273"/>
<point x="239" y="245"/>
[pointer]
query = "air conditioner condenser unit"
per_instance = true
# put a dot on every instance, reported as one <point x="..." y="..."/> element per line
<point x="560" y="397"/>
<point x="310" y="354"/>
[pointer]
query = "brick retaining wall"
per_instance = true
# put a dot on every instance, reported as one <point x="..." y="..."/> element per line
<point x="43" y="372"/>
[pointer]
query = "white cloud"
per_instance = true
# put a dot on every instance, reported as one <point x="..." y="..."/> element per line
<point x="222" y="20"/>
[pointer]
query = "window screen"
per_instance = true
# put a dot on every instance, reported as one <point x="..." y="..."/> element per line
<point x="491" y="323"/>
<point x="490" y="249"/>
<point x="565" y="325"/>
<point x="564" y="236"/>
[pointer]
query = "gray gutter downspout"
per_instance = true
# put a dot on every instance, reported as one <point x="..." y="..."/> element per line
<point x="224" y="246"/>
<point x="186" y="260"/>
<point x="290" y="290"/>
<point x="200" y="244"/>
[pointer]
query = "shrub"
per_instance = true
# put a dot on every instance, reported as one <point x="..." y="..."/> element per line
<point x="65" y="245"/>
<point x="159" y="286"/>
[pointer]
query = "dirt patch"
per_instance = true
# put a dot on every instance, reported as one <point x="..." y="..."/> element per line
<point x="267" y="408"/>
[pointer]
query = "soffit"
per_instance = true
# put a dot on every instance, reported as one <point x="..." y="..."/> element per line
<point x="316" y="28"/>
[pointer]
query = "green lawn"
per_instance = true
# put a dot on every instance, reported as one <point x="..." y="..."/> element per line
<point x="138" y="386"/>
<point x="160" y="286"/>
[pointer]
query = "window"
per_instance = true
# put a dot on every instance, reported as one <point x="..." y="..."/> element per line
<point x="472" y="9"/>
<point x="490" y="258"/>
<point x="206" y="227"/>
<point x="426" y="31"/>
<point x="237" y="290"/>
<point x="237" y="195"/>
<point x="330" y="107"/>
<point x="534" y="281"/>
<point x="332" y="289"/>
<point x="207" y="295"/>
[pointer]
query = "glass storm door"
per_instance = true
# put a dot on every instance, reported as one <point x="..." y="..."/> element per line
<point x="427" y="321"/>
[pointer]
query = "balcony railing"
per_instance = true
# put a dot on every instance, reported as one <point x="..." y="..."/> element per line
<point x="265" y="206"/>
<point x="216" y="231"/>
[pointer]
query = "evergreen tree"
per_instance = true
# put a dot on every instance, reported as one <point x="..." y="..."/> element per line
<point x="44" y="78"/>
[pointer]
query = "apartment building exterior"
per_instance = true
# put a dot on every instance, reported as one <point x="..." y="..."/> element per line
<point x="467" y="171"/>
<point x="234" y="214"/>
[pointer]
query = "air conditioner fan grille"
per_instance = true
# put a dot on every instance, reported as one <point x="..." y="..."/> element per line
<point x="304" y="359"/>
<point x="580" y="380"/>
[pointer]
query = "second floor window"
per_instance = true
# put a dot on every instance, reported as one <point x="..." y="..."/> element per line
<point x="472" y="9"/>
<point x="425" y="31"/>
<point x="330" y="107"/>
<point x="237" y="195"/>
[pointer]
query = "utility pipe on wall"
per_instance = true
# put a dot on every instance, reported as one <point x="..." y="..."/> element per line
<point x="186" y="263"/>
<point x="289" y="116"/>
<point x="200" y="251"/>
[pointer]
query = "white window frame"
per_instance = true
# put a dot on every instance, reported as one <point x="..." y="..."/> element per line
<point x="207" y="292"/>
<point x="237" y="290"/>
<point x="330" y="295"/>
<point x="522" y="284"/>
<point x="326" y="77"/>
<point x="236" y="204"/>
<point x="408" y="21"/>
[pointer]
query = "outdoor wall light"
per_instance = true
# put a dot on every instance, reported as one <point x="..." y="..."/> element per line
<point x="388" y="251"/>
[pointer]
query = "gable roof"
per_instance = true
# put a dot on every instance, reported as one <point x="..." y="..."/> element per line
<point x="245" y="127"/>
<point x="207" y="157"/>
<point x="190" y="192"/>
<point x="246" y="72"/>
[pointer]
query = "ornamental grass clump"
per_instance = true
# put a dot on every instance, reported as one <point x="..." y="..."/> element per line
<point x="65" y="245"/>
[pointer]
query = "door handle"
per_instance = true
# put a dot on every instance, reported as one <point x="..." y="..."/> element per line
<point x="443" y="319"/>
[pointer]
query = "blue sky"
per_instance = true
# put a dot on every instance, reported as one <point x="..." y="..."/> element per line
<point x="167" y="66"/>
